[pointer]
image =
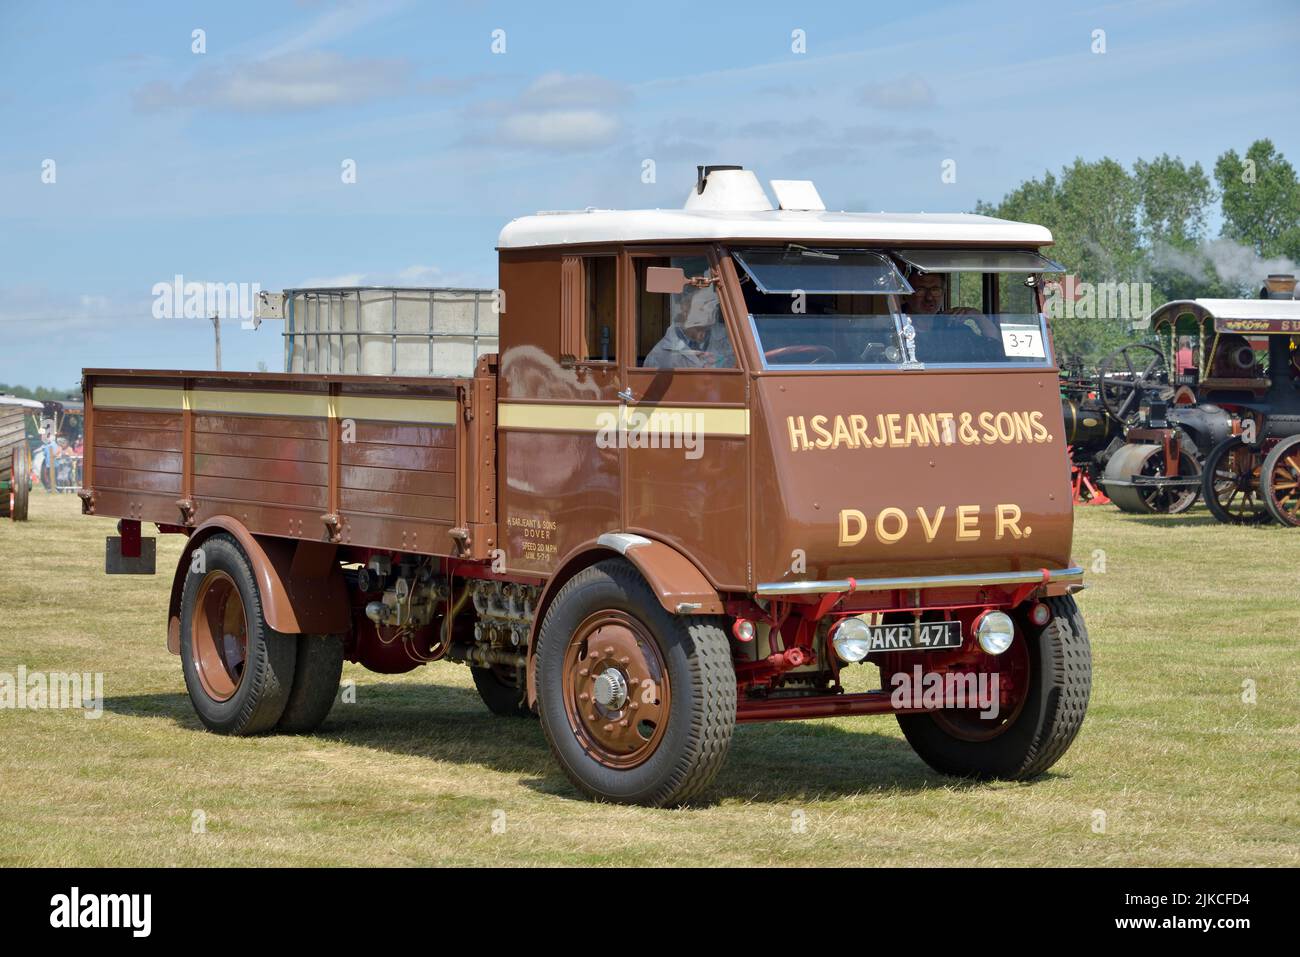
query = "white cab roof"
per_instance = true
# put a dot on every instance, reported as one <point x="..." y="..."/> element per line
<point x="660" y="225"/>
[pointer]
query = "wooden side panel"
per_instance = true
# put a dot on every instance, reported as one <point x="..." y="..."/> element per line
<point x="351" y="459"/>
<point x="136" y="462"/>
<point x="269" y="460"/>
<point x="399" y="471"/>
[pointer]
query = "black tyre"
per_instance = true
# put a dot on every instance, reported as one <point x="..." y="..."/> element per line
<point x="22" y="483"/>
<point x="315" y="683"/>
<point x="1280" y="482"/>
<point x="637" y="704"/>
<point x="1029" y="740"/>
<point x="1230" y="483"/>
<point x="502" y="691"/>
<point x="238" y="671"/>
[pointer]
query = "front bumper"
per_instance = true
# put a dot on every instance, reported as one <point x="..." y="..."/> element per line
<point x="1072" y="576"/>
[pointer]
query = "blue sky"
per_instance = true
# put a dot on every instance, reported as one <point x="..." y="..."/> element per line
<point x="225" y="166"/>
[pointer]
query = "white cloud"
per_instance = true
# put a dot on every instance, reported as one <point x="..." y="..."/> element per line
<point x="558" y="112"/>
<point x="560" y="90"/>
<point x="340" y="22"/>
<point x="299" y="81"/>
<point x="906" y="93"/>
<point x="559" y="129"/>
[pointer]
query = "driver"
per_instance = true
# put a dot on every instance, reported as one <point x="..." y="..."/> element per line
<point x="697" y="337"/>
<point x="940" y="336"/>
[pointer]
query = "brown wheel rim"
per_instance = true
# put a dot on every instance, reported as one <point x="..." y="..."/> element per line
<point x="616" y="689"/>
<point x="219" y="636"/>
<point x="1284" y="484"/>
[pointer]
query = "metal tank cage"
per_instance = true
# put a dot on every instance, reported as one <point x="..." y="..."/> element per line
<point x="323" y="323"/>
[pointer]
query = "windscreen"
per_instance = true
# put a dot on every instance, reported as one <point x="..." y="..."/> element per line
<point x="795" y="268"/>
<point x="965" y="319"/>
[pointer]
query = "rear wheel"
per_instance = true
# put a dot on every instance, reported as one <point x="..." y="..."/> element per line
<point x="1230" y="483"/>
<point x="238" y="670"/>
<point x="637" y="704"/>
<point x="315" y="683"/>
<point x="1280" y="481"/>
<point x="503" y="690"/>
<point x="1053" y="670"/>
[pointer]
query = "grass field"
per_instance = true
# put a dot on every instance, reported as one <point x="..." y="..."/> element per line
<point x="1172" y="766"/>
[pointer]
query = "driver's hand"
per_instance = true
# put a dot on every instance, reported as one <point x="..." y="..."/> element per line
<point x="985" y="324"/>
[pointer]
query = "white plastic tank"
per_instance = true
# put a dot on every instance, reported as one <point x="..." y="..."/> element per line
<point x="388" y="330"/>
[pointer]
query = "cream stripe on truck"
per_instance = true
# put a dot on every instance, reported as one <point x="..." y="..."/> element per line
<point x="413" y="409"/>
<point x="564" y="417"/>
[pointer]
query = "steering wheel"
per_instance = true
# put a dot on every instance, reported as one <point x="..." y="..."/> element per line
<point x="818" y="353"/>
<point x="1126" y="374"/>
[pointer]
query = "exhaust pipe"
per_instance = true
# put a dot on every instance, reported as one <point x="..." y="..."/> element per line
<point x="1278" y="285"/>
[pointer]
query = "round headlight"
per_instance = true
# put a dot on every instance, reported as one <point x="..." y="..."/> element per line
<point x="851" y="639"/>
<point x="995" y="632"/>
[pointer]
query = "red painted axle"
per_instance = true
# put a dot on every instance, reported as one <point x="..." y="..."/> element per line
<point x="821" y="706"/>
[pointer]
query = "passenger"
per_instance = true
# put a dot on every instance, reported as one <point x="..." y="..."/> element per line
<point x="697" y="337"/>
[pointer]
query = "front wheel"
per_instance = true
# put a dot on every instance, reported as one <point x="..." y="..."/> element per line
<point x="1133" y="463"/>
<point x="638" y="704"/>
<point x="1053" y="672"/>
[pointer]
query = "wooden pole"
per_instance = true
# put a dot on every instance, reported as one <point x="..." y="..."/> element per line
<point x="216" y="333"/>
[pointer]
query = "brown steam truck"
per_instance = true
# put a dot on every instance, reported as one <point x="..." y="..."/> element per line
<point x="718" y="456"/>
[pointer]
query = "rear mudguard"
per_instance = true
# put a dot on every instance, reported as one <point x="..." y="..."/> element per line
<point x="300" y="584"/>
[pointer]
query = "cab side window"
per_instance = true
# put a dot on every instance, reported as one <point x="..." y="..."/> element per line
<point x="589" y="308"/>
<point x="683" y="330"/>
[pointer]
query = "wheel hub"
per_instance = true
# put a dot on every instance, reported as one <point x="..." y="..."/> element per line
<point x="616" y="691"/>
<point x="610" y="690"/>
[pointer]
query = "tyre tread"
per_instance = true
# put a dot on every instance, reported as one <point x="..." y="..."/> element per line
<point x="713" y="713"/>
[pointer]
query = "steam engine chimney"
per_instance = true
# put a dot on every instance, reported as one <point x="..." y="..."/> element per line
<point x="1278" y="285"/>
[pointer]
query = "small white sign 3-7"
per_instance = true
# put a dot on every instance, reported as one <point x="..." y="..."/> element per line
<point x="1023" y="342"/>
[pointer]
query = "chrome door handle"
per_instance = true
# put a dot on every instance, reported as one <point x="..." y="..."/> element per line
<point x="626" y="395"/>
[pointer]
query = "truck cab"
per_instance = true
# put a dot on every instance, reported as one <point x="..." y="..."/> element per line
<point x="721" y="455"/>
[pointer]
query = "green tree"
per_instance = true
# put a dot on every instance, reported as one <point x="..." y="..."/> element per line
<point x="1174" y="200"/>
<point x="1092" y="210"/>
<point x="41" y="393"/>
<point x="1261" y="200"/>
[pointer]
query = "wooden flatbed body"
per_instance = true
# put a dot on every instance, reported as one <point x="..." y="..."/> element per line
<point x="372" y="461"/>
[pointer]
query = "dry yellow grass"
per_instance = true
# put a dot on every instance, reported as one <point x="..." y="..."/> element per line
<point x="417" y="772"/>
